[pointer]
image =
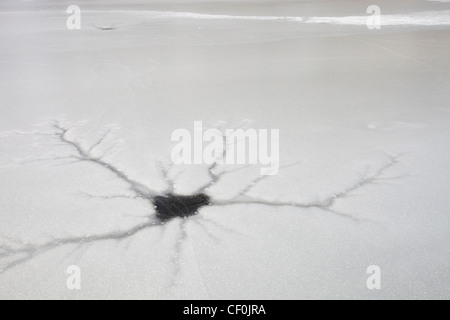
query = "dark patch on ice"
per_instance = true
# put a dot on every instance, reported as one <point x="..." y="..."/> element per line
<point x="175" y="206"/>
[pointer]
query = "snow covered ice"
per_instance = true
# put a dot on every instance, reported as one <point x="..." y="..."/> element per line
<point x="85" y="144"/>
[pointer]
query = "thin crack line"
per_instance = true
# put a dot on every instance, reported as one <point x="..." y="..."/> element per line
<point x="244" y="199"/>
<point x="30" y="251"/>
<point x="84" y="155"/>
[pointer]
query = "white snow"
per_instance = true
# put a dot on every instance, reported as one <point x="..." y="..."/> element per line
<point x="347" y="100"/>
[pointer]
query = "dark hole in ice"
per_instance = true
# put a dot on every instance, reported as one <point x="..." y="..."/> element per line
<point x="174" y="206"/>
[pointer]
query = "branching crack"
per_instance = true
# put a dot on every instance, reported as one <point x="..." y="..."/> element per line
<point x="165" y="205"/>
<point x="15" y="256"/>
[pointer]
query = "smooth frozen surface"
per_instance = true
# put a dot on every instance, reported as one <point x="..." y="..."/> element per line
<point x="364" y="113"/>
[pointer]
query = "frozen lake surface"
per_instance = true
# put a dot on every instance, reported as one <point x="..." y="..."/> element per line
<point x="87" y="117"/>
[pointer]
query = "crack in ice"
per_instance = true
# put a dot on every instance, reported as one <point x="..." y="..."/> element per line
<point x="167" y="205"/>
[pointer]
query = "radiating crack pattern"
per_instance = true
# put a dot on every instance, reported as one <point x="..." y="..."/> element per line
<point x="165" y="205"/>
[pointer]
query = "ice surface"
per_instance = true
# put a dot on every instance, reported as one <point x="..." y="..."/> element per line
<point x="364" y="115"/>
